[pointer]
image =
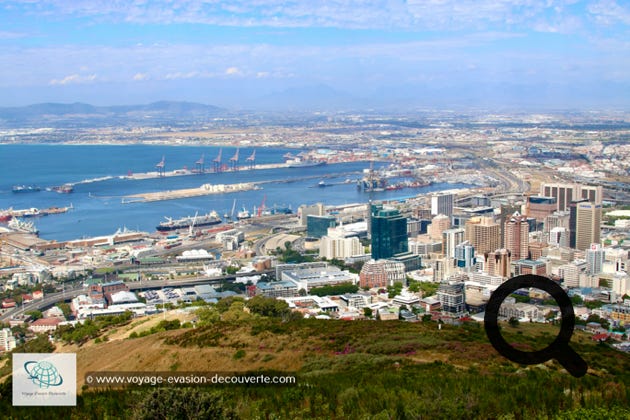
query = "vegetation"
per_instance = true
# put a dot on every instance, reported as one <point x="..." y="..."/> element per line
<point x="361" y="370"/>
<point x="339" y="289"/>
<point x="90" y="328"/>
<point x="427" y="288"/>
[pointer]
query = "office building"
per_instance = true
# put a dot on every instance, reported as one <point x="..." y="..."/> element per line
<point x="498" y="263"/>
<point x="465" y="256"/>
<point x="595" y="256"/>
<point x="540" y="207"/>
<point x="451" y="297"/>
<point x="442" y="204"/>
<point x="559" y="236"/>
<point x="317" y="226"/>
<point x="566" y="193"/>
<point x="340" y="248"/>
<point x="438" y="225"/>
<point x="516" y="236"/>
<point x="588" y="222"/>
<point x="389" y="232"/>
<point x="305" y="210"/>
<point x="381" y="273"/>
<point x="483" y="233"/>
<point x="450" y="239"/>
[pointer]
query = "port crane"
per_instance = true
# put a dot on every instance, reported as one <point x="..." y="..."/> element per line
<point x="234" y="161"/>
<point x="200" y="164"/>
<point x="161" y="166"/>
<point x="262" y="206"/>
<point x="251" y="161"/>
<point x="216" y="162"/>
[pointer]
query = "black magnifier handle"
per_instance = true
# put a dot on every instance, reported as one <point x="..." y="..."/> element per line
<point x="572" y="361"/>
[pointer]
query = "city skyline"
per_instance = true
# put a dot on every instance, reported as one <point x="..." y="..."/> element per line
<point x="507" y="54"/>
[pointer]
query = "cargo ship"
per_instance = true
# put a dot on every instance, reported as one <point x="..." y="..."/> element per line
<point x="22" y="226"/>
<point x="63" y="189"/>
<point x="299" y="163"/>
<point x="25" y="188"/>
<point x="209" y="219"/>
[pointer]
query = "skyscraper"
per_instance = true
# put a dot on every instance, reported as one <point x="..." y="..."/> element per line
<point x="595" y="259"/>
<point x="438" y="225"/>
<point x="565" y="193"/>
<point x="483" y="233"/>
<point x="442" y="204"/>
<point x="450" y="239"/>
<point x="389" y="232"/>
<point x="465" y="255"/>
<point x="498" y="263"/>
<point x="516" y="236"/>
<point x="587" y="230"/>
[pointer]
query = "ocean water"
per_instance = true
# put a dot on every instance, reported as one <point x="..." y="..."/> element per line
<point x="98" y="208"/>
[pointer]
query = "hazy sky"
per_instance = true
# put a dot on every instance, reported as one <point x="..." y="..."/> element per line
<point x="546" y="53"/>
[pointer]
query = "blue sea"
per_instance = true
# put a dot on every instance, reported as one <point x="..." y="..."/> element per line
<point x="98" y="208"/>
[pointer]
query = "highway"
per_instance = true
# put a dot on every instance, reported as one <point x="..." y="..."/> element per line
<point x="70" y="293"/>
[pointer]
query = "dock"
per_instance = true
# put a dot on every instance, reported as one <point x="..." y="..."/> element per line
<point x="205" y="189"/>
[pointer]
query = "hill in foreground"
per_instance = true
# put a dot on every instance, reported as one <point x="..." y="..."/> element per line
<point x="364" y="369"/>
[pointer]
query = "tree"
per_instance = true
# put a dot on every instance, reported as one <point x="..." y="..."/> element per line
<point x="183" y="403"/>
<point x="367" y="312"/>
<point x="577" y="300"/>
<point x="266" y="306"/>
<point x="514" y="322"/>
<point x="35" y="315"/>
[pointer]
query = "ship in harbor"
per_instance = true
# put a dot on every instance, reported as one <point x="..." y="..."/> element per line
<point x="63" y="189"/>
<point x="22" y="226"/>
<point x="187" y="222"/>
<point x="25" y="188"/>
<point x="304" y="163"/>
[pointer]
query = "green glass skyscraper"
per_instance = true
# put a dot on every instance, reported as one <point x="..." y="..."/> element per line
<point x="389" y="232"/>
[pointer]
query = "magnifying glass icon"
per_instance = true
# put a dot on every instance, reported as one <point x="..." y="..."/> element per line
<point x="559" y="349"/>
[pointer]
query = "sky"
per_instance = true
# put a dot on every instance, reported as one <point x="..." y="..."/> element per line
<point x="244" y="54"/>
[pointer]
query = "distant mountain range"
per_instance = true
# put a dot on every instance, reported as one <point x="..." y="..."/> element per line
<point x="55" y="114"/>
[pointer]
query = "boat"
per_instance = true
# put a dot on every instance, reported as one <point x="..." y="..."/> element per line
<point x="243" y="214"/>
<point x="209" y="219"/>
<point x="63" y="189"/>
<point x="25" y="188"/>
<point x="299" y="163"/>
<point x="6" y="215"/>
<point x="20" y="225"/>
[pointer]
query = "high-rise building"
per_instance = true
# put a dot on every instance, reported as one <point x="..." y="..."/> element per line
<point x="557" y="219"/>
<point x="451" y="297"/>
<point x="540" y="207"/>
<point x="339" y="247"/>
<point x="389" y="232"/>
<point x="450" y="239"/>
<point x="516" y="236"/>
<point x="559" y="236"/>
<point x="483" y="233"/>
<point x="573" y="221"/>
<point x="595" y="259"/>
<point x="565" y="193"/>
<point x="465" y="255"/>
<point x="438" y="225"/>
<point x="498" y="263"/>
<point x="588" y="222"/>
<point x="442" y="204"/>
<point x="305" y="210"/>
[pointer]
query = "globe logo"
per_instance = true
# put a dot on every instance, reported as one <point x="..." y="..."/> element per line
<point x="43" y="374"/>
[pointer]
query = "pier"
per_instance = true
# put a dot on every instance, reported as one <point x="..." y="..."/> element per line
<point x="205" y="189"/>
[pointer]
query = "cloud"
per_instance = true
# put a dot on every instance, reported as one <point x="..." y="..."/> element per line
<point x="74" y="79"/>
<point x="12" y="35"/>
<point x="348" y="14"/>
<point x="609" y="12"/>
<point x="140" y="76"/>
<point x="233" y="71"/>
